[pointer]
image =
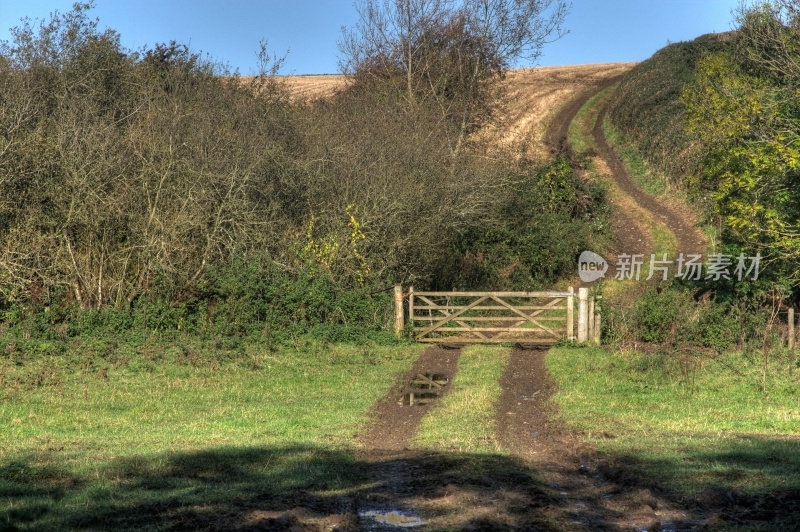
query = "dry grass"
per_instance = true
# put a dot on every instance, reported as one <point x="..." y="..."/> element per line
<point x="533" y="96"/>
<point x="314" y="86"/>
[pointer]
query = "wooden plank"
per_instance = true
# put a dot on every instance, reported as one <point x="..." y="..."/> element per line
<point x="583" y="311"/>
<point x="570" y="315"/>
<point x="490" y="307"/>
<point x="457" y="322"/>
<point x="493" y="340"/>
<point x="398" y="310"/>
<point x="498" y="294"/>
<point x="429" y="304"/>
<point x="444" y="310"/>
<point x="549" y="306"/>
<point x="457" y="314"/>
<point x="597" y="324"/>
<point x="527" y="318"/>
<point x="490" y="329"/>
<point x="411" y="305"/>
<point x="490" y="318"/>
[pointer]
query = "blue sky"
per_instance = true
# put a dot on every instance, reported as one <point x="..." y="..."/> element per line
<point x="230" y="30"/>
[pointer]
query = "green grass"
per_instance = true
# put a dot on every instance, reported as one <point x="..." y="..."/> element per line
<point x="692" y="424"/>
<point x="98" y="450"/>
<point x="687" y="422"/>
<point x="582" y="141"/>
<point x="650" y="181"/>
<point x="464" y="420"/>
<point x="580" y="130"/>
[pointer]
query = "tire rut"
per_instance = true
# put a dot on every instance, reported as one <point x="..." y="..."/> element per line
<point x="557" y="134"/>
<point x="393" y="425"/>
<point x="689" y="239"/>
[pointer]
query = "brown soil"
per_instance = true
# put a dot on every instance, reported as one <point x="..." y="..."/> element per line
<point x="689" y="238"/>
<point x="314" y="86"/>
<point x="534" y="97"/>
<point x="393" y="424"/>
<point x="528" y="424"/>
<point x="558" y="130"/>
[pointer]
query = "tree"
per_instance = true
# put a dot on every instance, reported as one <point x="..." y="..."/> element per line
<point x="122" y="174"/>
<point x="743" y="108"/>
<point x="447" y="53"/>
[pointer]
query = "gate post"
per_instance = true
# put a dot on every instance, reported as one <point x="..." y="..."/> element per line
<point x="570" y="314"/>
<point x="583" y="311"/>
<point x="398" y="310"/>
<point x="597" y="327"/>
<point x="790" y="334"/>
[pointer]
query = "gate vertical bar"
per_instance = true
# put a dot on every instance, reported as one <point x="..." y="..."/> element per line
<point x="597" y="327"/>
<point x="790" y="336"/>
<point x="570" y="314"/>
<point x="583" y="312"/>
<point x="411" y="309"/>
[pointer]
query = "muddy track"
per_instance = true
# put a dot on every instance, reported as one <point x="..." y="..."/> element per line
<point x="689" y="239"/>
<point x="557" y="134"/>
<point x="594" y="490"/>
<point x="393" y="424"/>
<point x="524" y="410"/>
<point x="564" y="484"/>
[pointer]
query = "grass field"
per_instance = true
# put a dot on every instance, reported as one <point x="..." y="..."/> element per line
<point x="464" y="420"/>
<point x="691" y="429"/>
<point x="688" y="422"/>
<point x="115" y="450"/>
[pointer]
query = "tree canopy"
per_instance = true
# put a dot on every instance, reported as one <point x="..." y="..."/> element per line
<point x="744" y="108"/>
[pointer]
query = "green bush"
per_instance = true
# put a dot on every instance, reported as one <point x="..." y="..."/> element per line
<point x="717" y="327"/>
<point x="661" y="314"/>
<point x="537" y="233"/>
<point x="647" y="107"/>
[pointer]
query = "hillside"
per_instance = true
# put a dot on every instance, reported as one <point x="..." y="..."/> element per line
<point x="312" y="86"/>
<point x="532" y="98"/>
<point x="647" y="107"/>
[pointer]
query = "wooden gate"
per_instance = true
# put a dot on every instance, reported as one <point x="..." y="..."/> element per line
<point x="491" y="317"/>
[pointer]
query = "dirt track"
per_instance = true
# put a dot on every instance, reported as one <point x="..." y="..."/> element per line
<point x="689" y="239"/>
<point x="550" y="480"/>
<point x="575" y="494"/>
<point x="394" y="424"/>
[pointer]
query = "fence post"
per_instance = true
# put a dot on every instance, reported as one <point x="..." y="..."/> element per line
<point x="398" y="310"/>
<point x="570" y="314"/>
<point x="583" y="294"/>
<point x="790" y="336"/>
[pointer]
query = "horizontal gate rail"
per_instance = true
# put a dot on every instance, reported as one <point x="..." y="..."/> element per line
<point x="491" y="317"/>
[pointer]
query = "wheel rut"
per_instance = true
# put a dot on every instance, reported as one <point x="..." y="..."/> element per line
<point x="564" y="483"/>
<point x="393" y="420"/>
<point x="688" y="238"/>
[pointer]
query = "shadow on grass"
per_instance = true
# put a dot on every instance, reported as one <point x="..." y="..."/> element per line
<point x="266" y="488"/>
<point x="314" y="488"/>
<point x="740" y="480"/>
